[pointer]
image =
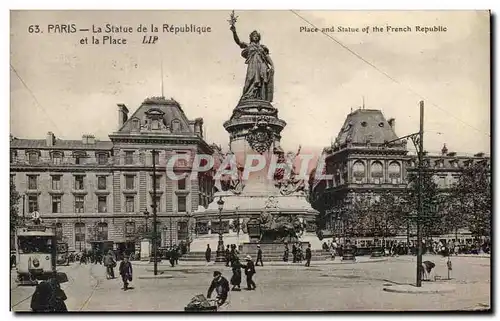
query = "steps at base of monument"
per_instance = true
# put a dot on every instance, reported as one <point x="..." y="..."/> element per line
<point x="269" y="257"/>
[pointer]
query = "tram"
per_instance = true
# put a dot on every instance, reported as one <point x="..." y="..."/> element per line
<point x="36" y="253"/>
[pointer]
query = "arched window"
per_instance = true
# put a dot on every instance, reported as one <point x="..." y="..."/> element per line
<point x="102" y="232"/>
<point x="377" y="173"/>
<point x="358" y="172"/>
<point x="59" y="231"/>
<point x="79" y="236"/>
<point x="395" y="173"/>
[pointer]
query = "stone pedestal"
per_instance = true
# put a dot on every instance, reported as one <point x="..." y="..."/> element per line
<point x="254" y="130"/>
<point x="145" y="249"/>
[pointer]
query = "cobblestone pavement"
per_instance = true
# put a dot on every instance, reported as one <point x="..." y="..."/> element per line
<point x="322" y="287"/>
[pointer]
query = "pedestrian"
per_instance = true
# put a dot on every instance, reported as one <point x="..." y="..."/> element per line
<point x="299" y="253"/>
<point x="177" y="254"/>
<point x="228" y="255"/>
<point x="172" y="256"/>
<point x="110" y="264"/>
<point x="286" y="253"/>
<point x="126" y="272"/>
<point x="308" y="255"/>
<point x="57" y="297"/>
<point x="294" y="253"/>
<point x="208" y="253"/>
<point x="40" y="300"/>
<point x="12" y="261"/>
<point x="221" y="286"/>
<point x="259" y="256"/>
<point x="236" y="277"/>
<point x="249" y="272"/>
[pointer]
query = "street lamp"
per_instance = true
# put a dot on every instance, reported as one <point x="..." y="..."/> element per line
<point x="220" y="244"/>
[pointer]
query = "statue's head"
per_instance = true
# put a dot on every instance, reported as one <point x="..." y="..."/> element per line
<point x="255" y="36"/>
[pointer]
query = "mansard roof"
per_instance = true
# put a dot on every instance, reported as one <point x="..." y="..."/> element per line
<point x="167" y="115"/>
<point x="365" y="125"/>
<point x="18" y="143"/>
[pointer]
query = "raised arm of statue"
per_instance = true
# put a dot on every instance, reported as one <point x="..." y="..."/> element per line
<point x="237" y="39"/>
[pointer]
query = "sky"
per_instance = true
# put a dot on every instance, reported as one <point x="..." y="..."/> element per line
<point x="75" y="87"/>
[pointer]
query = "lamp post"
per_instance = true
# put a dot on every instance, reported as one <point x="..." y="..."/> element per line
<point x="220" y="245"/>
<point x="155" y="247"/>
<point x="418" y="141"/>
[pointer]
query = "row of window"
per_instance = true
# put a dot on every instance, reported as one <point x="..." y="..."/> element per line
<point x="56" y="158"/>
<point x="102" y="204"/>
<point x="101" y="182"/>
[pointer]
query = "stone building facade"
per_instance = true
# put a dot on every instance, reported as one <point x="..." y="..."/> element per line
<point x="103" y="190"/>
<point x="363" y="164"/>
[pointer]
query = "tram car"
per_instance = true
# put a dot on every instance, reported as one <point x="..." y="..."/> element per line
<point x="36" y="253"/>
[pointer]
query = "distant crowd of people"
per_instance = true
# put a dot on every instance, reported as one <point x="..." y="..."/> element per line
<point x="428" y="247"/>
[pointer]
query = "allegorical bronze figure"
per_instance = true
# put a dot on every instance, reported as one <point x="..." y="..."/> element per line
<point x="260" y="72"/>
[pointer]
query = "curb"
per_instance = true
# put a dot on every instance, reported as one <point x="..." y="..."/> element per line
<point x="151" y="277"/>
<point x="410" y="289"/>
<point x="473" y="256"/>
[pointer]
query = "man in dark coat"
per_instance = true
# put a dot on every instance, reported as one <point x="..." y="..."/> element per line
<point x="176" y="254"/>
<point x="308" y="255"/>
<point x="41" y="299"/>
<point x="208" y="253"/>
<point x="221" y="286"/>
<point x="58" y="297"/>
<point x="294" y="253"/>
<point x="259" y="256"/>
<point x="126" y="272"/>
<point x="249" y="272"/>
<point x="228" y="256"/>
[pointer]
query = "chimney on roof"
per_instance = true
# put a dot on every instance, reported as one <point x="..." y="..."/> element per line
<point x="198" y="127"/>
<point x="122" y="115"/>
<point x="50" y="139"/>
<point x="392" y="123"/>
<point x="88" y="139"/>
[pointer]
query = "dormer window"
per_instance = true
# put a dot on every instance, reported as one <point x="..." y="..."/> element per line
<point x="79" y="158"/>
<point x="56" y="158"/>
<point x="176" y="126"/>
<point x="33" y="157"/>
<point x="13" y="156"/>
<point x="102" y="158"/>
<point x="155" y="118"/>
<point x="136" y="124"/>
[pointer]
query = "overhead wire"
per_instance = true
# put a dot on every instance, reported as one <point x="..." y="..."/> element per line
<point x="387" y="75"/>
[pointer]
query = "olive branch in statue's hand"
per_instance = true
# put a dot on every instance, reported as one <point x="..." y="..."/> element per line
<point x="232" y="21"/>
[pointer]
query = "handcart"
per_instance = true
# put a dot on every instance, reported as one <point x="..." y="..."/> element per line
<point x="200" y="303"/>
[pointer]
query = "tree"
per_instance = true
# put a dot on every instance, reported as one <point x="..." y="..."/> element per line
<point x="14" y="210"/>
<point x="431" y="220"/>
<point x="471" y="197"/>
